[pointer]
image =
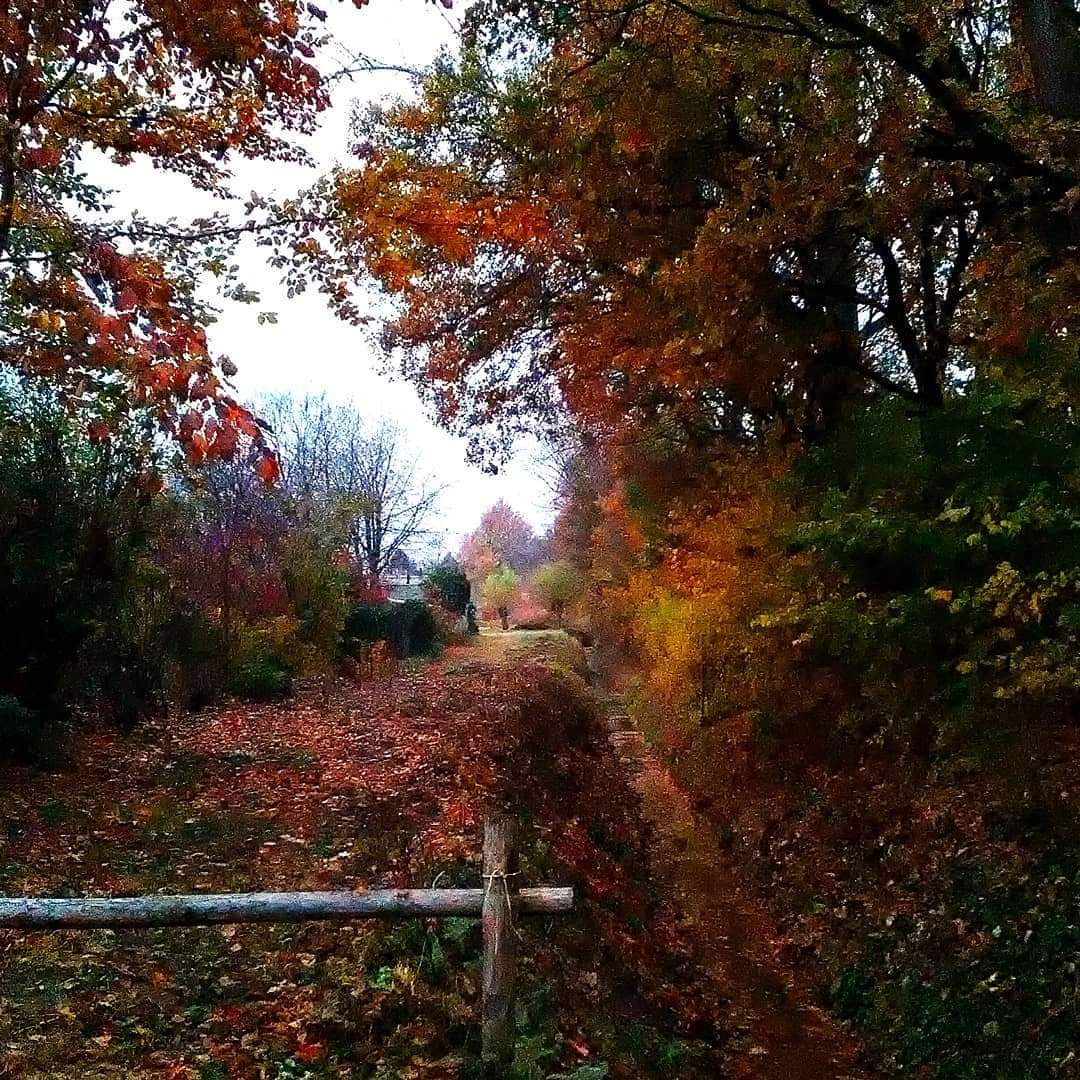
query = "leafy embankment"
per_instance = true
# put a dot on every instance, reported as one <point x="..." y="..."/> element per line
<point x="872" y="690"/>
<point x="386" y="787"/>
<point x="936" y="906"/>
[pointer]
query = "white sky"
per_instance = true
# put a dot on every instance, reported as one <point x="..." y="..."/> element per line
<point x="309" y="350"/>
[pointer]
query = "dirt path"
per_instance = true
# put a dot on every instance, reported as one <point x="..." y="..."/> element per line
<point x="780" y="1035"/>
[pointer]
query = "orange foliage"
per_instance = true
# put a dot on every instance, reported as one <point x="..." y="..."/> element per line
<point x="101" y="305"/>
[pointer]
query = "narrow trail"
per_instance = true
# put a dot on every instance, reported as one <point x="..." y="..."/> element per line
<point x="780" y="1034"/>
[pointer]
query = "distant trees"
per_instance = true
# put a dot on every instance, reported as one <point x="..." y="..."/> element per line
<point x="497" y="555"/>
<point x="503" y="538"/>
<point x="388" y="504"/>
<point x="358" y="474"/>
<point x="132" y="577"/>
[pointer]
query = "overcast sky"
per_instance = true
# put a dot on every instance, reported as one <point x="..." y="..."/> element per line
<point x="309" y="350"/>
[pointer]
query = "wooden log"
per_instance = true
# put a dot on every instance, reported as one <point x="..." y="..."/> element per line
<point x="209" y="909"/>
<point x="497" y="925"/>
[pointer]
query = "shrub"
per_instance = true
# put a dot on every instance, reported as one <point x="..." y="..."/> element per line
<point x="366" y="623"/>
<point x="269" y="654"/>
<point x="450" y="629"/>
<point x="949" y="558"/>
<point x="316" y="587"/>
<point x="419" y="632"/>
<point x="501" y="588"/>
<point x="196" y="650"/>
<point x="262" y="678"/>
<point x="409" y="628"/>
<point x="23" y="734"/>
<point x="558" y="586"/>
<point x="448" y="587"/>
<point x="75" y="519"/>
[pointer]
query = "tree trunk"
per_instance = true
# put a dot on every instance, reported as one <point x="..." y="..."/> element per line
<point x="1050" y="34"/>
<point x="1051" y="38"/>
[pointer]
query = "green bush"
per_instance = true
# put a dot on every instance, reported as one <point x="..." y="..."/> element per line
<point x="366" y="623"/>
<point x="409" y="628"/>
<point x="448" y="586"/>
<point x="937" y="559"/>
<point x="75" y="531"/>
<point x="262" y="678"/>
<point x="317" y="587"/>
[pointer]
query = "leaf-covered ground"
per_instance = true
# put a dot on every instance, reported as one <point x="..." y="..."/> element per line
<point x="384" y="787"/>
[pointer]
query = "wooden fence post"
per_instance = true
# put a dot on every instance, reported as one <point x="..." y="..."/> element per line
<point x="499" y="962"/>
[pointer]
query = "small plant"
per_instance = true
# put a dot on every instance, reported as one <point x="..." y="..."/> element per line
<point x="596" y="1071"/>
<point x="53" y="812"/>
<point x="196" y="1014"/>
<point x="291" y="1069"/>
<point x="263" y="678"/>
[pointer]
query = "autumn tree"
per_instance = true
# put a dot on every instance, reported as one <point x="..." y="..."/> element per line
<point x="805" y="272"/>
<point x="727" y="219"/>
<point x="311" y="434"/>
<point x="558" y="586"/>
<point x="105" y="306"/>
<point x="503" y="538"/>
<point x="500" y="590"/>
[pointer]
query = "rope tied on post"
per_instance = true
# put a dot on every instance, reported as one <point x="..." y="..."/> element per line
<point x="503" y="876"/>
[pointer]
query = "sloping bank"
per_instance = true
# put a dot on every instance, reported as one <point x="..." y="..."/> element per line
<point x="612" y="990"/>
<point x="934" y="903"/>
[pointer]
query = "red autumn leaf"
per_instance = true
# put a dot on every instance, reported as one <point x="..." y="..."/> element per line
<point x="190" y="423"/>
<point x="309" y="1051"/>
<point x="267" y="468"/>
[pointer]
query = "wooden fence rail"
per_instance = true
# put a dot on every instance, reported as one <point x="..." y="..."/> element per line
<point x="496" y="904"/>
